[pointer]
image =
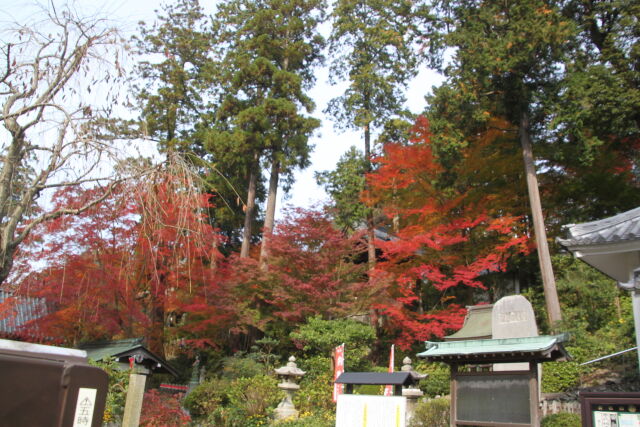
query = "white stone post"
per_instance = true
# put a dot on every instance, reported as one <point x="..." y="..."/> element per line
<point x="133" y="404"/>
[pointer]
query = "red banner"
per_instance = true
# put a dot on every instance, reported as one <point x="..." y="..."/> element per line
<point x="338" y="368"/>
<point x="388" y="389"/>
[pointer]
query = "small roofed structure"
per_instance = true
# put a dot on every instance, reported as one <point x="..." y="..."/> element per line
<point x="477" y="324"/>
<point x="496" y="398"/>
<point x="611" y="245"/>
<point x="396" y="379"/>
<point x="123" y="350"/>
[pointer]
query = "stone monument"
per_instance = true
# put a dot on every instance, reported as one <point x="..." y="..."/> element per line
<point x="513" y="317"/>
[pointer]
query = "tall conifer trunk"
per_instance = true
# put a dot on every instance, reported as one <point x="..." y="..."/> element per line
<point x="371" y="247"/>
<point x="548" y="280"/>
<point x="270" y="213"/>
<point x="251" y="204"/>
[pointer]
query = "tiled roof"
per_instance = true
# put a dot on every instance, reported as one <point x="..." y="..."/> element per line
<point x="375" y="378"/>
<point x="101" y="350"/>
<point x="619" y="228"/>
<point x="541" y="348"/>
<point x="122" y="350"/>
<point x="19" y="311"/>
<point x="477" y="324"/>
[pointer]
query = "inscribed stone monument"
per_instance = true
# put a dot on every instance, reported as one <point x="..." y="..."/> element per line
<point x="513" y="317"/>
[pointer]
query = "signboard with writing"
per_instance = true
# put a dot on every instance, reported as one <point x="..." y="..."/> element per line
<point x="371" y="411"/>
<point x="84" y="407"/>
<point x="602" y="409"/>
<point x="46" y="386"/>
<point x="615" y="419"/>
<point x="482" y="398"/>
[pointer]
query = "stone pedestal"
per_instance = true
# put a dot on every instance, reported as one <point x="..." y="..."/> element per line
<point x="412" y="395"/>
<point x="286" y="408"/>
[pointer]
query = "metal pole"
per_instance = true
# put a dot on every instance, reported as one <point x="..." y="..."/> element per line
<point x="635" y="297"/>
<point x="609" y="356"/>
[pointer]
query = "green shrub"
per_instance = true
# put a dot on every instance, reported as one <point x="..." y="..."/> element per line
<point x="243" y="402"/>
<point x="241" y="366"/>
<point x="432" y="413"/>
<point x="558" y="377"/>
<point x="207" y="399"/>
<point x="438" y="381"/>
<point x="562" y="419"/>
<point x="316" y="387"/>
<point x="325" y="419"/>
<point x="117" y="392"/>
<point x="255" y="396"/>
<point x="319" y="337"/>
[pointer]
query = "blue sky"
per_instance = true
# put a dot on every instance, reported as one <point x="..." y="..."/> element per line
<point x="329" y="144"/>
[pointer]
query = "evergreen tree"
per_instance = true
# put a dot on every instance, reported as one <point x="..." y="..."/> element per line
<point x="177" y="74"/>
<point x="345" y="185"/>
<point x="371" y="43"/>
<point x="596" y="119"/>
<point x="506" y="62"/>
<point x="177" y="95"/>
<point x="269" y="48"/>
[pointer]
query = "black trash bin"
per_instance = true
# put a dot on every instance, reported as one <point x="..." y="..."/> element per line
<point x="42" y="386"/>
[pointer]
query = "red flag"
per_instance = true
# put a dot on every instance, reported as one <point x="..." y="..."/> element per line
<point x="388" y="389"/>
<point x="338" y="368"/>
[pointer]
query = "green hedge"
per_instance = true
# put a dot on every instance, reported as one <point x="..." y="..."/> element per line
<point x="432" y="413"/>
<point x="562" y="419"/>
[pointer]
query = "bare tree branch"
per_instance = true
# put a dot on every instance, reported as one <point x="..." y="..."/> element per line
<point x="45" y="69"/>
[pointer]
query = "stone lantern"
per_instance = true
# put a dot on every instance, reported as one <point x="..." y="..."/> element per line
<point x="412" y="393"/>
<point x="289" y="374"/>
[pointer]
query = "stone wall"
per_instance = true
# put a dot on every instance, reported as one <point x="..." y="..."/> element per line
<point x="553" y="403"/>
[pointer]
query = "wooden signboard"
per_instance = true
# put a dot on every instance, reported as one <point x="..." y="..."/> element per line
<point x="609" y="409"/>
<point x="495" y="398"/>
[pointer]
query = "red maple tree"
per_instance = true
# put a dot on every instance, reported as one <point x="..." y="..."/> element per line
<point x="314" y="269"/>
<point x="131" y="266"/>
<point x="447" y="237"/>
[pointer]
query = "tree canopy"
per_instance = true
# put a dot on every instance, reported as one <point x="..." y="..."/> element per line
<point x="189" y="253"/>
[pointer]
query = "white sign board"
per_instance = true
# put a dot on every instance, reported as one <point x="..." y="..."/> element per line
<point x="371" y="411"/>
<point x="84" y="407"/>
<point x="615" y="419"/>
